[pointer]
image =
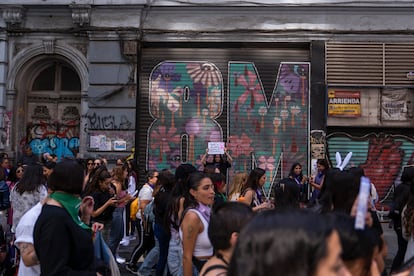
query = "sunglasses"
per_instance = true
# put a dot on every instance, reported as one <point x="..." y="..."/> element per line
<point x="19" y="171"/>
<point x="97" y="164"/>
<point x="90" y="164"/>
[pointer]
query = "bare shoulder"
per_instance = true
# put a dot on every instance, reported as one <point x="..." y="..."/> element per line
<point x="191" y="217"/>
<point x="214" y="267"/>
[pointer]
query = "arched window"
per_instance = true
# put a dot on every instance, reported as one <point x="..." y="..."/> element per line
<point x="57" y="77"/>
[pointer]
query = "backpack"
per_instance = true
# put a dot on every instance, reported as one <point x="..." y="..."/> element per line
<point x="149" y="212"/>
<point x="134" y="209"/>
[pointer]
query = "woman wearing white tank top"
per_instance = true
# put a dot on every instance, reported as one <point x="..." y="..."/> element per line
<point x="197" y="248"/>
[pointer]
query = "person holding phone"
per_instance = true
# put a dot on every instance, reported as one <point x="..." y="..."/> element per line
<point x="104" y="197"/>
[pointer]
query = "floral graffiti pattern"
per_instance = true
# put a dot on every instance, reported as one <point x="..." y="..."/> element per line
<point x="186" y="98"/>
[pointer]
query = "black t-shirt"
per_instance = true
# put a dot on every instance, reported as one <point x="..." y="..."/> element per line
<point x="160" y="205"/>
<point x="222" y="166"/>
<point x="100" y="198"/>
<point x="62" y="246"/>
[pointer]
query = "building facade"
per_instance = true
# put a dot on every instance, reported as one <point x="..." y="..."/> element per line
<point x="278" y="81"/>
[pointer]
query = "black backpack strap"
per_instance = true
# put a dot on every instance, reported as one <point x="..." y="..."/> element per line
<point x="213" y="267"/>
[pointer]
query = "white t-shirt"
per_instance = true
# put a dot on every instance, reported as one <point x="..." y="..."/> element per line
<point x="132" y="186"/>
<point x="24" y="233"/>
<point x="144" y="194"/>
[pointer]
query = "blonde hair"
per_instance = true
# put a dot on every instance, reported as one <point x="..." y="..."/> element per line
<point x="237" y="183"/>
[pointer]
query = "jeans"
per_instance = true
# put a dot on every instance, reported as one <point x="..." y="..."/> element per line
<point x="163" y="238"/>
<point x="150" y="260"/>
<point x="175" y="257"/>
<point x="117" y="230"/>
<point x="402" y="246"/>
<point x="4" y="195"/>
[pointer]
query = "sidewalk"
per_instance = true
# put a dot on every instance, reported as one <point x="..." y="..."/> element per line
<point x="125" y="252"/>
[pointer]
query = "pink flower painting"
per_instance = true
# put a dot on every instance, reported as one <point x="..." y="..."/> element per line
<point x="161" y="140"/>
<point x="253" y="91"/>
<point x="240" y="145"/>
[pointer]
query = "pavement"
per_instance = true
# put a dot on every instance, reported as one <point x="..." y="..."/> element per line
<point x="125" y="252"/>
<point x="389" y="235"/>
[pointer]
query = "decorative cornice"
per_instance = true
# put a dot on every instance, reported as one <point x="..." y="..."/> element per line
<point x="13" y="15"/>
<point x="81" y="14"/>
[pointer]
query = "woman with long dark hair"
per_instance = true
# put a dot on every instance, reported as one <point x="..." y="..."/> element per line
<point x="317" y="180"/>
<point x="198" y="197"/>
<point x="296" y="174"/>
<point x="28" y="191"/>
<point x="252" y="193"/>
<point x="105" y="201"/>
<point x="172" y="218"/>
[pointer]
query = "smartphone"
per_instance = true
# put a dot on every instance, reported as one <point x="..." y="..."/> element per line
<point x="362" y="204"/>
<point x="405" y="266"/>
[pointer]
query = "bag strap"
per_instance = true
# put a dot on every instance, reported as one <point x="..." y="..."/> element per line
<point x="213" y="267"/>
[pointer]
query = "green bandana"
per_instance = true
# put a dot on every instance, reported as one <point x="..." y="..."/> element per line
<point x="71" y="203"/>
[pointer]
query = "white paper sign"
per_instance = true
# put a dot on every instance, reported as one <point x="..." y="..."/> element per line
<point x="94" y="142"/>
<point x="120" y="145"/>
<point x="215" y="147"/>
<point x="103" y="143"/>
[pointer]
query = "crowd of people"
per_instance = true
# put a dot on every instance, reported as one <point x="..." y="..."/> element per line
<point x="70" y="216"/>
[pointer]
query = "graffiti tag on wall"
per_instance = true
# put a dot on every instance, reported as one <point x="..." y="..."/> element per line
<point x="109" y="122"/>
<point x="60" y="137"/>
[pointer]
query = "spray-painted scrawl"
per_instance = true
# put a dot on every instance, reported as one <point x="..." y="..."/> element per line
<point x="46" y="134"/>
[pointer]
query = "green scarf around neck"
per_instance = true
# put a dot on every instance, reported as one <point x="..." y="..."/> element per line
<point x="71" y="203"/>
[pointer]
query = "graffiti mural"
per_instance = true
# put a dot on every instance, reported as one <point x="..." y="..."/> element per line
<point x="186" y="98"/>
<point x="382" y="156"/>
<point x="275" y="130"/>
<point x="60" y="137"/>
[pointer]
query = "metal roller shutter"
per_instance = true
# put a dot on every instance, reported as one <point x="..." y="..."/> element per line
<point x="266" y="58"/>
<point x="382" y="154"/>
<point x="369" y="64"/>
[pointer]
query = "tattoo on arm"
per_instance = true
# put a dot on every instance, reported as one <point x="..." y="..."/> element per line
<point x="23" y="248"/>
<point x="189" y="232"/>
<point x="35" y="259"/>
